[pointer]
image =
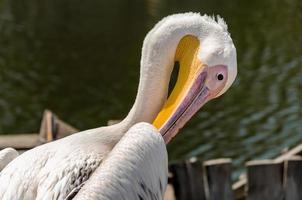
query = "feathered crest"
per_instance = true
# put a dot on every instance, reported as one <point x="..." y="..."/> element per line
<point x="216" y="19"/>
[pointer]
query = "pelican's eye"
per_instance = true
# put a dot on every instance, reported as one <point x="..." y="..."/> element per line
<point x="220" y="77"/>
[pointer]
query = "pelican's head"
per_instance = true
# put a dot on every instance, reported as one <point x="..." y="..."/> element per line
<point x="207" y="68"/>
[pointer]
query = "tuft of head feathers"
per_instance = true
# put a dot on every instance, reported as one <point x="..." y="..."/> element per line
<point x="217" y="20"/>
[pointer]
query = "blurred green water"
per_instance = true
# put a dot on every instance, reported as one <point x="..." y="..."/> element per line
<point x="81" y="60"/>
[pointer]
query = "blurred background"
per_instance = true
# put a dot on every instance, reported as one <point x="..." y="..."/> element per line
<point x="81" y="60"/>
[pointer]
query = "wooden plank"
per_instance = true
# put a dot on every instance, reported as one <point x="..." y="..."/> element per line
<point x="265" y="180"/>
<point x="195" y="179"/>
<point x="239" y="186"/>
<point x="293" y="179"/>
<point x="287" y="155"/>
<point x="218" y="183"/>
<point x="20" y="141"/>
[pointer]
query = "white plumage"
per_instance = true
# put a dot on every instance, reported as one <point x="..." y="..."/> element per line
<point x="136" y="168"/>
<point x="57" y="169"/>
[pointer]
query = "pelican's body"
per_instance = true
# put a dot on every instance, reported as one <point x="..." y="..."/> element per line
<point x="208" y="67"/>
<point x="146" y="173"/>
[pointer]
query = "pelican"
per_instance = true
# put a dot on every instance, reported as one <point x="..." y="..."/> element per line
<point x="207" y="59"/>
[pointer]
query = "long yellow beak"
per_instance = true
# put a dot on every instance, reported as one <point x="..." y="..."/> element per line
<point x="196" y="85"/>
<point x="190" y="65"/>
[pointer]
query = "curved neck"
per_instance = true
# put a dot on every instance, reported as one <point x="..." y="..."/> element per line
<point x="158" y="55"/>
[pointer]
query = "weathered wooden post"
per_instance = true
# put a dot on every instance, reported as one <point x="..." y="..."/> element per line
<point x="218" y="183"/>
<point x="188" y="180"/>
<point x="293" y="178"/>
<point x="265" y="179"/>
<point x="52" y="127"/>
<point x="195" y="179"/>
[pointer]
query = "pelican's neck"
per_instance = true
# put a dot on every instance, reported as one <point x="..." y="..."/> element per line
<point x="158" y="56"/>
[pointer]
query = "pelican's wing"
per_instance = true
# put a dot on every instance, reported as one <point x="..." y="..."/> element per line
<point x="6" y="156"/>
<point x="52" y="170"/>
<point x="135" y="169"/>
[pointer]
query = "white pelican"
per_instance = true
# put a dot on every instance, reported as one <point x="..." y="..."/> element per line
<point x="208" y="67"/>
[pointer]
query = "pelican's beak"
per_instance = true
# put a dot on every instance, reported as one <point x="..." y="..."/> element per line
<point x="197" y="83"/>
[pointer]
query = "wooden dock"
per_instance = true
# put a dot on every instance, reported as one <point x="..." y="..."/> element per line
<point x="276" y="179"/>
